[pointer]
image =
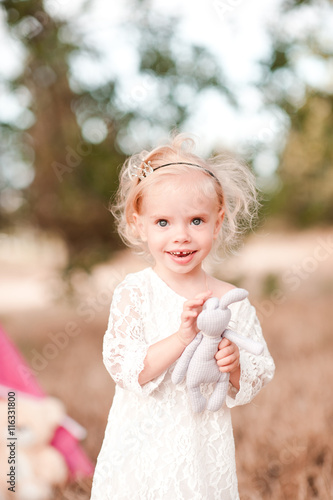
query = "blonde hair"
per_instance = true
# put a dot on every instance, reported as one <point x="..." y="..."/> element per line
<point x="234" y="185"/>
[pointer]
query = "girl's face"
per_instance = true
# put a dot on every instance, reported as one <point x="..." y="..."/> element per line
<point x="179" y="223"/>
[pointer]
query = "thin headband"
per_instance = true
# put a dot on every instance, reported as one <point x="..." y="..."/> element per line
<point x="147" y="169"/>
<point x="192" y="164"/>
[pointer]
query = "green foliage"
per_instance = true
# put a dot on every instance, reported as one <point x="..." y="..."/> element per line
<point x="279" y="59"/>
<point x="270" y="284"/>
<point x="305" y="193"/>
<point x="306" y="168"/>
<point x="73" y="177"/>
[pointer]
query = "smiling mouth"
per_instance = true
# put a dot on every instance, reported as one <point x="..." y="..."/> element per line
<point x="182" y="254"/>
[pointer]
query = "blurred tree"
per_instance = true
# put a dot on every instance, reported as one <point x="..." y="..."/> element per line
<point x="72" y="178"/>
<point x="73" y="135"/>
<point x="306" y="167"/>
<point x="298" y="79"/>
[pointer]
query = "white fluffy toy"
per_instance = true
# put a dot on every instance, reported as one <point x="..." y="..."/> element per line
<point x="198" y="361"/>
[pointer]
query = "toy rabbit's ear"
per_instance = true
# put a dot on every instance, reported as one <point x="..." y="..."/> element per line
<point x="212" y="303"/>
<point x="234" y="295"/>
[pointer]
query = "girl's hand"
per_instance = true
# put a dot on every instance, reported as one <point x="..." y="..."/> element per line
<point x="227" y="357"/>
<point x="191" y="310"/>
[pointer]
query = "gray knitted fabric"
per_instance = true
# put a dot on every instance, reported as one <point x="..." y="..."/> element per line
<point x="198" y="361"/>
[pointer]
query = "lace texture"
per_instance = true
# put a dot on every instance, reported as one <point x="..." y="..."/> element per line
<point x="155" y="447"/>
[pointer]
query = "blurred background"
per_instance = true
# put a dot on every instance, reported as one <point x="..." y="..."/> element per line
<point x="85" y="84"/>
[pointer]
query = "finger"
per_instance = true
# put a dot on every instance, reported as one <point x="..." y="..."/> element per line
<point x="199" y="299"/>
<point x="230" y="368"/>
<point x="229" y="350"/>
<point x="224" y="343"/>
<point x="188" y="314"/>
<point x="190" y="304"/>
<point x="204" y="295"/>
<point x="226" y="351"/>
<point x="228" y="360"/>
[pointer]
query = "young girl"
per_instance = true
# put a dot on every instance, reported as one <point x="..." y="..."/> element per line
<point x="177" y="208"/>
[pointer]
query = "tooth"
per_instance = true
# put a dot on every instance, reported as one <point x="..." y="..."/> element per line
<point x="181" y="253"/>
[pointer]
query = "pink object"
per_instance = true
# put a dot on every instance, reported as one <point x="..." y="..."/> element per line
<point x="16" y="375"/>
<point x="14" y="370"/>
<point x="77" y="461"/>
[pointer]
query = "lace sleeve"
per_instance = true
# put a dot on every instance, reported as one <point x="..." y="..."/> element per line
<point x="256" y="371"/>
<point x="124" y="344"/>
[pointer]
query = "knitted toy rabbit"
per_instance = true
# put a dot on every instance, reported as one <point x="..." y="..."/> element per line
<point x="198" y="358"/>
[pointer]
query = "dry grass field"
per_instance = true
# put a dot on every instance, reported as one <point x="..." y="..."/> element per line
<point x="284" y="438"/>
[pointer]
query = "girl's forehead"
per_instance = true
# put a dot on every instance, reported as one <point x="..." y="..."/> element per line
<point x="180" y="191"/>
<point x="180" y="182"/>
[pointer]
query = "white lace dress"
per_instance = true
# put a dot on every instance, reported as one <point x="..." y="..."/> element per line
<point x="155" y="447"/>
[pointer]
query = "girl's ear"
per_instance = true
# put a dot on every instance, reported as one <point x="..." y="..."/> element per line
<point x="140" y="227"/>
<point x="219" y="222"/>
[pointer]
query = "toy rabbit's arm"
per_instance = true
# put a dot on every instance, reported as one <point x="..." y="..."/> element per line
<point x="184" y="360"/>
<point x="248" y="344"/>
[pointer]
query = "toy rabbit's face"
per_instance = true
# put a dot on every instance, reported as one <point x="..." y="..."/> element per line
<point x="212" y="321"/>
<point x="215" y="315"/>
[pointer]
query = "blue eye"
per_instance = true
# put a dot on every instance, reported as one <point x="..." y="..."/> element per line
<point x="197" y="221"/>
<point x="162" y="223"/>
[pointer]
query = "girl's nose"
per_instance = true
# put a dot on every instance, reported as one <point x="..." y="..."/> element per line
<point x="181" y="234"/>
